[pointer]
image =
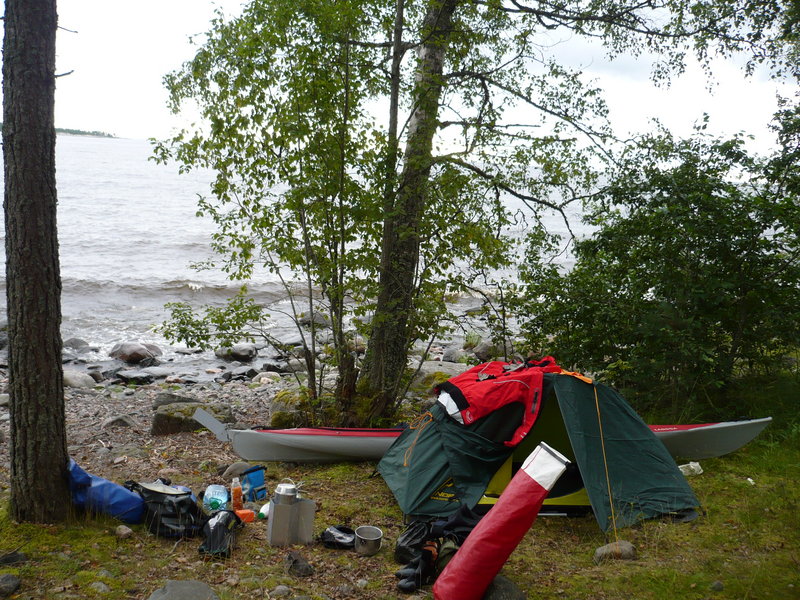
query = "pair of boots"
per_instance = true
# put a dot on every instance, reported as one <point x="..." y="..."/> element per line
<point x="420" y="571"/>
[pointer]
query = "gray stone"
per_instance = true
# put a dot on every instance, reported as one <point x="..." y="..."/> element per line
<point x="280" y="591"/>
<point x="75" y="343"/>
<point x="158" y="372"/>
<point x="620" y="550"/>
<point x="235" y="470"/>
<point x="295" y="365"/>
<point x="177" y="417"/>
<point x="244" y="372"/>
<point x="318" y="318"/>
<point x="164" y="398"/>
<point x="265" y="377"/>
<point x="123" y="532"/>
<point x="298" y="566"/>
<point x="100" y="587"/>
<point x="486" y="351"/>
<point x="78" y="379"/>
<point x="453" y="353"/>
<point x="244" y="352"/>
<point x="134" y="352"/>
<point x="87" y="349"/>
<point x="716" y="586"/>
<point x="275" y="366"/>
<point x="184" y="590"/>
<point x="502" y="588"/>
<point x="136" y="377"/>
<point x="8" y="585"/>
<point x="118" y="421"/>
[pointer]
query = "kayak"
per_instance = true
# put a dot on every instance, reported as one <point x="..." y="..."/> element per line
<point x="332" y="444"/>
<point x="708" y="440"/>
<point x="312" y="444"/>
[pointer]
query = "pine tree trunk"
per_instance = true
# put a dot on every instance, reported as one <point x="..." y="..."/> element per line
<point x="39" y="489"/>
<point x="392" y="326"/>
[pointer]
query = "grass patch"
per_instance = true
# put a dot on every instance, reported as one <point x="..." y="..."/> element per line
<point x="747" y="540"/>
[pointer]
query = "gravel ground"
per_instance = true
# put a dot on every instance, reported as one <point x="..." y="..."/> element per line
<point x="104" y="446"/>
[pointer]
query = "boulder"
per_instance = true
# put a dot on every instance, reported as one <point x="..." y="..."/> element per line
<point x="78" y="379"/>
<point x="136" y="376"/>
<point x="275" y="366"/>
<point x="244" y="373"/>
<point x="163" y="398"/>
<point x="135" y="353"/>
<point x="178" y="417"/>
<point x="244" y="352"/>
<point x="319" y="319"/>
<point x="118" y="421"/>
<point x="266" y="377"/>
<point x="434" y="372"/>
<point x="75" y="343"/>
<point x="159" y="372"/>
<point x="486" y="351"/>
<point x="453" y="353"/>
<point x="184" y="590"/>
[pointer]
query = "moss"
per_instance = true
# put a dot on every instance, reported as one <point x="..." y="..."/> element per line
<point x="283" y="419"/>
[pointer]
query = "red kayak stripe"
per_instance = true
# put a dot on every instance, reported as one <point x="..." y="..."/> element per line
<point x="663" y="428"/>
<point x="335" y="432"/>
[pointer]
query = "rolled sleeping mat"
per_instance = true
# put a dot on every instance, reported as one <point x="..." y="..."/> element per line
<point x="470" y="572"/>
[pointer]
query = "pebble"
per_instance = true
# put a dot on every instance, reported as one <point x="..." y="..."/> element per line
<point x="620" y="550"/>
<point x="100" y="587"/>
<point x="280" y="591"/>
<point x="123" y="532"/>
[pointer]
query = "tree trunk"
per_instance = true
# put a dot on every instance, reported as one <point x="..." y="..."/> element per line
<point x="392" y="328"/>
<point x="39" y="460"/>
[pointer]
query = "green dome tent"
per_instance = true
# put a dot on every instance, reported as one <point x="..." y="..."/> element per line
<point x="439" y="465"/>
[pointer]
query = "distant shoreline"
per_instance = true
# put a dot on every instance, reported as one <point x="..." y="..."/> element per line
<point x="102" y="134"/>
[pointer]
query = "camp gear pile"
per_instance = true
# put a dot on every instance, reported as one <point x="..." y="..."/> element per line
<point x="439" y="464"/>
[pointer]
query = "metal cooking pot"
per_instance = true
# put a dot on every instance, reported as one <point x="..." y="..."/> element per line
<point x="285" y="493"/>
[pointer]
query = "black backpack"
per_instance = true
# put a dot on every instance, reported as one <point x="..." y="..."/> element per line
<point x="169" y="511"/>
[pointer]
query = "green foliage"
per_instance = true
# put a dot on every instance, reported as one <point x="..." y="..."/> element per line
<point x="692" y="277"/>
<point x="310" y="170"/>
<point x="216" y="326"/>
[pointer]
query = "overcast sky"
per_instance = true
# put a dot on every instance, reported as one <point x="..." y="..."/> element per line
<point x="121" y="51"/>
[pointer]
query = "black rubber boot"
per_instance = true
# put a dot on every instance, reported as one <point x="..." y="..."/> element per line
<point x="422" y="575"/>
<point x="408" y="570"/>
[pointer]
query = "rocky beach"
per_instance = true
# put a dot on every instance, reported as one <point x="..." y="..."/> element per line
<point x="126" y="410"/>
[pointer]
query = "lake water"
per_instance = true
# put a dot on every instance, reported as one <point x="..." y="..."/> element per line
<point x="128" y="234"/>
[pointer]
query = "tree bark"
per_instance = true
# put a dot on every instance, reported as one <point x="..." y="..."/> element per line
<point x="387" y="353"/>
<point x="39" y="460"/>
